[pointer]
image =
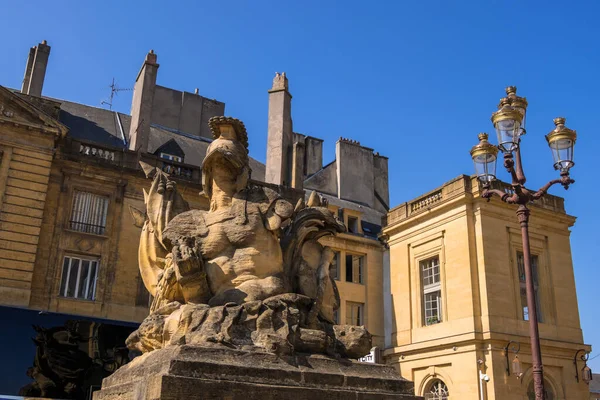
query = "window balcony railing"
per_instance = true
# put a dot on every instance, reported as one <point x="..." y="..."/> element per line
<point x="177" y="169"/>
<point x="87" y="228"/>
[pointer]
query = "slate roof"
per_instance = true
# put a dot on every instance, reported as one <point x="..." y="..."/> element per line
<point x="93" y="124"/>
<point x="111" y="128"/>
<point x="595" y="384"/>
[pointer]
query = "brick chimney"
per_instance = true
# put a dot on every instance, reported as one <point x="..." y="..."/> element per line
<point x="35" y="71"/>
<point x="280" y="140"/>
<point x="141" y="104"/>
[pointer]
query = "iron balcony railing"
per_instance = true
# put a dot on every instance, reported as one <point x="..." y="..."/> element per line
<point x="87" y="228"/>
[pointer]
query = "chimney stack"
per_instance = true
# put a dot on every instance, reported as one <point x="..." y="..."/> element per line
<point x="35" y="71"/>
<point x="141" y="104"/>
<point x="280" y="140"/>
<point x="355" y="177"/>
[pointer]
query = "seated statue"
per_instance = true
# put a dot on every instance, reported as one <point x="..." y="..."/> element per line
<point x="238" y="272"/>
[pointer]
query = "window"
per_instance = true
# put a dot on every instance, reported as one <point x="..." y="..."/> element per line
<point x="143" y="298"/>
<point x="334" y="268"/>
<point x="171" y="157"/>
<point x="89" y="213"/>
<point x="432" y="291"/>
<point x="336" y="316"/>
<point x="522" y="286"/>
<point x="354" y="313"/>
<point x="79" y="277"/>
<point x="437" y="390"/>
<point x="355" y="268"/>
<point x="353" y="224"/>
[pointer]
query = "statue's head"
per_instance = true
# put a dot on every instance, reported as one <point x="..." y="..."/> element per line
<point x="227" y="155"/>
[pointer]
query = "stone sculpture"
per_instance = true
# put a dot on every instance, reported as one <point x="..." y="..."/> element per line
<point x="249" y="273"/>
<point x="62" y="370"/>
<point x="59" y="365"/>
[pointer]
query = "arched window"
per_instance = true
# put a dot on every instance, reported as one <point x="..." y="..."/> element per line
<point x="547" y="389"/>
<point x="437" y="390"/>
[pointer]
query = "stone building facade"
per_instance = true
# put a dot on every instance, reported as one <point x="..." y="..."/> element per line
<point x="71" y="198"/>
<point x="455" y="298"/>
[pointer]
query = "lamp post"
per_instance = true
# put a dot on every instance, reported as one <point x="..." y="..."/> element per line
<point x="516" y="364"/>
<point x="509" y="122"/>
<point x="586" y="372"/>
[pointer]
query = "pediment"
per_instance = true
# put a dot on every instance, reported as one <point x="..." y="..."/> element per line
<point x="19" y="112"/>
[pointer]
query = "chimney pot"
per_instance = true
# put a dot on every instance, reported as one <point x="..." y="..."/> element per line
<point x="151" y="57"/>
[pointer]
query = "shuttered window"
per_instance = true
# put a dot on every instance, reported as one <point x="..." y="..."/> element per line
<point x="79" y="277"/>
<point x="89" y="213"/>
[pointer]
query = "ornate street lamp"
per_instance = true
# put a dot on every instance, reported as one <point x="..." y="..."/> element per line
<point x="519" y="103"/>
<point x="484" y="156"/>
<point x="509" y="122"/>
<point x="561" y="141"/>
<point x="516" y="364"/>
<point x="586" y="372"/>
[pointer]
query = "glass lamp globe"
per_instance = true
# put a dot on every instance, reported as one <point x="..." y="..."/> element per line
<point x="516" y="367"/>
<point x="484" y="156"/>
<point x="518" y="103"/>
<point x="561" y="141"/>
<point x="586" y="374"/>
<point x="507" y="121"/>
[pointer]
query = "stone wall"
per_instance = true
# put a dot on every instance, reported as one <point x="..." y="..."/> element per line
<point x="27" y="140"/>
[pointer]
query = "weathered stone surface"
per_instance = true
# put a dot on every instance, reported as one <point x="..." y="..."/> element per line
<point x="194" y="372"/>
<point x="277" y="325"/>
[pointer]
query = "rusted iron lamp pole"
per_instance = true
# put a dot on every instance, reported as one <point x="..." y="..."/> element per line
<point x="509" y="122"/>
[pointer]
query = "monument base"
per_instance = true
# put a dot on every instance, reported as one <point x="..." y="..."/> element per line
<point x="193" y="372"/>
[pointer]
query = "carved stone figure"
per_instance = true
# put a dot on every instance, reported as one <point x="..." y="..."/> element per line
<point x="59" y="366"/>
<point x="249" y="273"/>
<point x="61" y="369"/>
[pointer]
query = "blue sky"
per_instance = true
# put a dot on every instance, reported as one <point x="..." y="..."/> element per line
<point x="415" y="81"/>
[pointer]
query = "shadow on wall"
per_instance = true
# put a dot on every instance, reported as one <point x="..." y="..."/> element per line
<point x="57" y="355"/>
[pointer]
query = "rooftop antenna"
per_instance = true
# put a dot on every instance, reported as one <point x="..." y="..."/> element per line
<point x="114" y="89"/>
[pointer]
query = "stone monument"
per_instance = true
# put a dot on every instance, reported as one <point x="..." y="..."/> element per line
<point x="243" y="299"/>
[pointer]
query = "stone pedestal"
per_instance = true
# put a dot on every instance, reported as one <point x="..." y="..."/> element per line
<point x="193" y="372"/>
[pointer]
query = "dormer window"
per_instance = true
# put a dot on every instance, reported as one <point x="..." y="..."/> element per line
<point x="170" y="151"/>
<point x="171" y="157"/>
<point x="353" y="225"/>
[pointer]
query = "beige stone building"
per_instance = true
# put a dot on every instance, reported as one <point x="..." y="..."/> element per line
<point x="456" y="295"/>
<point x="71" y="193"/>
